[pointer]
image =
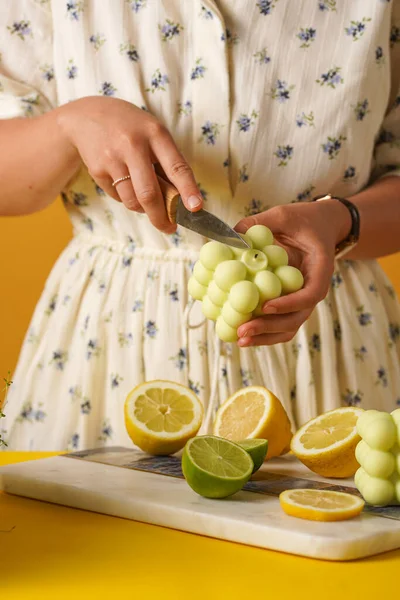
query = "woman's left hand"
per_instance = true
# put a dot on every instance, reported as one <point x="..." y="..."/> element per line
<point x="309" y="232"/>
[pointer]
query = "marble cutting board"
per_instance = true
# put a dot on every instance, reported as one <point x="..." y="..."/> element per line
<point x="125" y="483"/>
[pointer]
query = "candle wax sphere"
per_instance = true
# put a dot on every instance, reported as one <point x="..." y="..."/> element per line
<point x="396" y="415"/>
<point x="216" y="295"/>
<point x="214" y="253"/>
<point x="234" y="284"/>
<point x="233" y="317"/>
<point x="378" y="492"/>
<point x="260" y="236"/>
<point x="277" y="256"/>
<point x="364" y="419"/>
<point x="244" y="296"/>
<point x="224" y="331"/>
<point x="268" y="284"/>
<point x="290" y="278"/>
<point x="362" y="449"/>
<point x="378" y="453"/>
<point x="378" y="463"/>
<point x="203" y="275"/>
<point x="210" y="310"/>
<point x="255" y="261"/>
<point x="380" y="434"/>
<point x="359" y="477"/>
<point x="228" y="273"/>
<point x="239" y="251"/>
<point x="195" y="289"/>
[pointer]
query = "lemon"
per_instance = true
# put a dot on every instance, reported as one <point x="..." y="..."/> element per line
<point x="327" y="444"/>
<point x="320" y="505"/>
<point x="161" y="416"/>
<point x="257" y="449"/>
<point x="215" y="468"/>
<point x="254" y="412"/>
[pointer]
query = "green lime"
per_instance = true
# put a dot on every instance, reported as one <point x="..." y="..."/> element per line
<point x="214" y="467"/>
<point x="257" y="449"/>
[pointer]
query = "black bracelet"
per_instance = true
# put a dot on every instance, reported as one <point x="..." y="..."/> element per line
<point x="351" y="240"/>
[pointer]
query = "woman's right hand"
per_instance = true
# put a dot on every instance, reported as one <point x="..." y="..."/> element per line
<point x="115" y="138"/>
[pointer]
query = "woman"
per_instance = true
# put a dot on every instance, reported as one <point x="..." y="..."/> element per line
<point x="270" y="108"/>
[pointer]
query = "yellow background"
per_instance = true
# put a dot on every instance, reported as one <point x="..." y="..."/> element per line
<point x="29" y="247"/>
<point x="60" y="553"/>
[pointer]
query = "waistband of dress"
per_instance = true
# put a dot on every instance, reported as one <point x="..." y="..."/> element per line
<point x="140" y="252"/>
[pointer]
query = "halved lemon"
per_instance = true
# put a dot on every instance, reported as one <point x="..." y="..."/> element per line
<point x="320" y="505"/>
<point x="327" y="444"/>
<point x="254" y="412"/>
<point x="161" y="416"/>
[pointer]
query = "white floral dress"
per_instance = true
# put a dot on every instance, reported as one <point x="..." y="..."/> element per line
<point x="271" y="102"/>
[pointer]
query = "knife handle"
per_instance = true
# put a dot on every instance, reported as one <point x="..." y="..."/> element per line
<point x="171" y="197"/>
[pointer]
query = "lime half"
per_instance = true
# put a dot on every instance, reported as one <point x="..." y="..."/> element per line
<point x="214" y="467"/>
<point x="257" y="449"/>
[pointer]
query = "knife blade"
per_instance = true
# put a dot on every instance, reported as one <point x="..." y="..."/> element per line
<point x="202" y="222"/>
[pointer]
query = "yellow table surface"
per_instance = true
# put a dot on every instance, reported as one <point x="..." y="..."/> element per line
<point x="49" y="551"/>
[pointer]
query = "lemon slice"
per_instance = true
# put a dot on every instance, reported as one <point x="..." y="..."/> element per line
<point x="320" y="505"/>
<point x="327" y="444"/>
<point x="254" y="412"/>
<point x="161" y="416"/>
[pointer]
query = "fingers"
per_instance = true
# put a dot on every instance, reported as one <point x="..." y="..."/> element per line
<point x="317" y="269"/>
<point x="176" y="168"/>
<point x="126" y="194"/>
<point x="135" y="156"/>
<point x="272" y="325"/>
<point x="267" y="339"/>
<point x="267" y="331"/>
<point x="104" y="179"/>
<point x="141" y="193"/>
<point x="246" y="223"/>
<point x="274" y="218"/>
<point x="147" y="191"/>
<point x="123" y="191"/>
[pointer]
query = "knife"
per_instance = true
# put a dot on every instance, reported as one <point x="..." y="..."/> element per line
<point x="202" y="222"/>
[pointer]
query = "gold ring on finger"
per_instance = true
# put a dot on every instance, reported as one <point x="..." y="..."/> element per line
<point x="116" y="181"/>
